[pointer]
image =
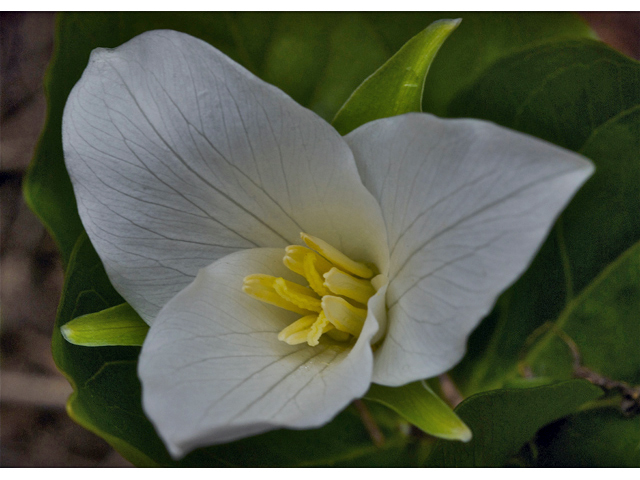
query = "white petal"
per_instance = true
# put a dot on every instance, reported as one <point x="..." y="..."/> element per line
<point x="179" y="156"/>
<point x="213" y="371"/>
<point x="467" y="204"/>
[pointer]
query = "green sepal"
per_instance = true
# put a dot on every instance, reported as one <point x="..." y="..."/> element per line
<point x="422" y="407"/>
<point x="119" y="325"/>
<point x="397" y="86"/>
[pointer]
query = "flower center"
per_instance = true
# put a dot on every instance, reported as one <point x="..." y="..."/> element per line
<point x="335" y="302"/>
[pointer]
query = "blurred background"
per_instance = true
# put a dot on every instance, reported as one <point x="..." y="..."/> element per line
<point x="34" y="427"/>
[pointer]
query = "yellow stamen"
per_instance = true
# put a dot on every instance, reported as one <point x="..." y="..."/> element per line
<point x="344" y="316"/>
<point x="294" y="259"/>
<point x="337" y="257"/>
<point x="312" y="274"/>
<point x="323" y="311"/>
<point x="320" y="326"/>
<point x="342" y="283"/>
<point x="298" y="331"/>
<point x="301" y="296"/>
<point x="261" y="287"/>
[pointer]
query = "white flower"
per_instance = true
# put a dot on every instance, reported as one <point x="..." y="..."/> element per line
<point x="184" y="164"/>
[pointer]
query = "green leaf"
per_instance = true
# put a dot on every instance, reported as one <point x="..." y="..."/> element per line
<point x="583" y="96"/>
<point x="502" y="421"/>
<point x="420" y="406"/>
<point x="119" y="325"/>
<point x="602" y="321"/>
<point x="397" y="86"/>
<point x="594" y="438"/>
<point x="484" y="39"/>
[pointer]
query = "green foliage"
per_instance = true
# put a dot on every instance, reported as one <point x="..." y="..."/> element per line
<point x="594" y="438"/>
<point x="558" y="93"/>
<point x="537" y="73"/>
<point x="119" y="325"/>
<point x="502" y="421"/>
<point x="601" y="321"/>
<point x="397" y="86"/>
<point x="586" y="97"/>
<point x="420" y="406"/>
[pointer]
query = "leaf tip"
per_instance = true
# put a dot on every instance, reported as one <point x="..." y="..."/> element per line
<point x="449" y="24"/>
<point x="464" y="434"/>
<point x="67" y="333"/>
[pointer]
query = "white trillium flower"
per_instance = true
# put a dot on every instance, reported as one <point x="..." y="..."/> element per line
<point x="192" y="177"/>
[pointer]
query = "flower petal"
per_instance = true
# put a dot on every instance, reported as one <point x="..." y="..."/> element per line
<point x="213" y="370"/>
<point x="466" y="204"/>
<point x="179" y="156"/>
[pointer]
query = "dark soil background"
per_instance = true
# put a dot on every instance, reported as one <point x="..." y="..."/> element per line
<point x="35" y="430"/>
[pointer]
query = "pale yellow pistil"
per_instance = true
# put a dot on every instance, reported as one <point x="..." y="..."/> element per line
<point x="333" y="304"/>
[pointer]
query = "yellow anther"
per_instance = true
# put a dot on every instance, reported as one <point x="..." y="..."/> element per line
<point x="344" y="316"/>
<point x="342" y="283"/>
<point x="298" y="331"/>
<point x="301" y="296"/>
<point x="320" y="326"/>
<point x="313" y="276"/>
<point x="294" y="259"/>
<point x="336" y="257"/>
<point x="261" y="287"/>
<point x="323" y="312"/>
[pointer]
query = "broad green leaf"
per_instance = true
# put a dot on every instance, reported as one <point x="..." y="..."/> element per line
<point x="502" y="421"/>
<point x="603" y="323"/>
<point x="586" y="97"/>
<point x="397" y="86"/>
<point x="594" y="438"/>
<point x="119" y="325"/>
<point x="420" y="406"/>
